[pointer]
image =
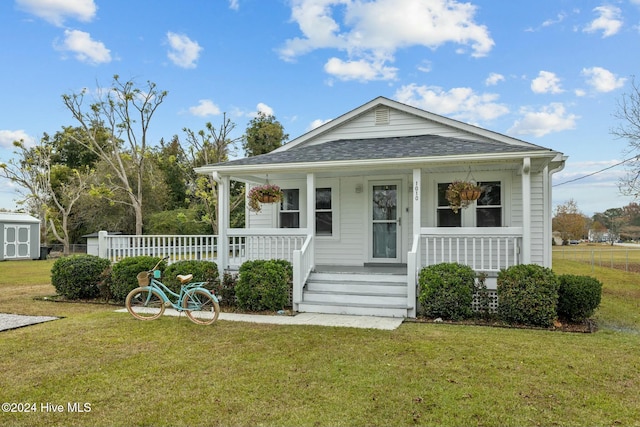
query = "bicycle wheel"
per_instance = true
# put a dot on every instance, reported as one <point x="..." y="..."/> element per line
<point x="144" y="304"/>
<point x="200" y="307"/>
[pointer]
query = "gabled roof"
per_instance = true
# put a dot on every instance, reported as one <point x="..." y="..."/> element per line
<point x="383" y="148"/>
<point x="439" y="139"/>
<point x="382" y="101"/>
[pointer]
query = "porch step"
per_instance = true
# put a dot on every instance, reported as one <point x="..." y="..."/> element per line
<point x="357" y="294"/>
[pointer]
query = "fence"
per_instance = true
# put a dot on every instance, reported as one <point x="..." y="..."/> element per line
<point x="620" y="258"/>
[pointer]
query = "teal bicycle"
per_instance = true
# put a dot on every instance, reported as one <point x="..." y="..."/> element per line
<point x="149" y="301"/>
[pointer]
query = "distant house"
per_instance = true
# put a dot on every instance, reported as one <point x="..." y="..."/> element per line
<point x="364" y="206"/>
<point x="19" y="236"/>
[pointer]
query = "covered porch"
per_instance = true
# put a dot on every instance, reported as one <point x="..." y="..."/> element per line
<point x="395" y="243"/>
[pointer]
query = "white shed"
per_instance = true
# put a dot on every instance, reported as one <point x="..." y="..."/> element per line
<point x="19" y="236"/>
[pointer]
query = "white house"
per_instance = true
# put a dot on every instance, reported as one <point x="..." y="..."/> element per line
<point x="364" y="206"/>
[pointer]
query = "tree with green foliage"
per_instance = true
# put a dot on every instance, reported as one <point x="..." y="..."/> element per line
<point x="570" y="222"/>
<point x="125" y="111"/>
<point x="263" y="135"/>
<point x="209" y="146"/>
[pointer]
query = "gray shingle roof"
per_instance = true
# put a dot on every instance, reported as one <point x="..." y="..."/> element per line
<point x="384" y="148"/>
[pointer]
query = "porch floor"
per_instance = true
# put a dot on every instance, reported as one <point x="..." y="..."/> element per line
<point x="399" y="269"/>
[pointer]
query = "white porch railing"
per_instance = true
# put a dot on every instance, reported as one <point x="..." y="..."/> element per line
<point x="252" y="244"/>
<point x="176" y="247"/>
<point x="489" y="249"/>
<point x="413" y="268"/>
<point x="303" y="264"/>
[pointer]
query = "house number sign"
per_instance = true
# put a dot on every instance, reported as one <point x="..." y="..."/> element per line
<point x="417" y="188"/>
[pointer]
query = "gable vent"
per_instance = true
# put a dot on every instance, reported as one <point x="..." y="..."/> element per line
<point x="382" y="116"/>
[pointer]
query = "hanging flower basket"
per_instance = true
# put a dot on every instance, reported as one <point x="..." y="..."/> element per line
<point x="267" y="193"/>
<point x="461" y="194"/>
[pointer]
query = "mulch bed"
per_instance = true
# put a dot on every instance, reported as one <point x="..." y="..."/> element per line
<point x="588" y="326"/>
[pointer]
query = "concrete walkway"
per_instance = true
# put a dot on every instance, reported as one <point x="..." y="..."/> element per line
<point x="316" y="319"/>
<point x="13" y="321"/>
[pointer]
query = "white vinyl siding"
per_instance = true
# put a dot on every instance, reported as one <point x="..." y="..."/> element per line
<point x="400" y="124"/>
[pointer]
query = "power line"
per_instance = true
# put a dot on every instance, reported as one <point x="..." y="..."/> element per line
<point x="596" y="172"/>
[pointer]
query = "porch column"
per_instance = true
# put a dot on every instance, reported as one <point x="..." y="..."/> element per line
<point x="417" y="200"/>
<point x="526" y="211"/>
<point x="223" y="224"/>
<point x="311" y="207"/>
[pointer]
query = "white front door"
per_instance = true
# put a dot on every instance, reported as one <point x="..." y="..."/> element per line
<point x="385" y="221"/>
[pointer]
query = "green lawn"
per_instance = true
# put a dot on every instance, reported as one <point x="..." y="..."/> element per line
<point x="173" y="372"/>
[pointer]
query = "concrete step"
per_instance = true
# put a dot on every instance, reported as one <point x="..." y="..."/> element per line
<point x="373" y="288"/>
<point x="354" y="309"/>
<point x="355" y="277"/>
<point x="354" y="298"/>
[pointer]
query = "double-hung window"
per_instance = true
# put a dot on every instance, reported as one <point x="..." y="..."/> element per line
<point x="324" y="212"/>
<point x="489" y="205"/>
<point x="290" y="209"/>
<point x="487" y="209"/>
<point x="446" y="216"/>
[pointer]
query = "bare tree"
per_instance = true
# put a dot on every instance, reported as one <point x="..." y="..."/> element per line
<point x="628" y="113"/>
<point x="125" y="111"/>
<point x="38" y="177"/>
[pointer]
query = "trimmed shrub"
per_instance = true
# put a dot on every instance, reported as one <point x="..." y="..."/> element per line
<point x="527" y="295"/>
<point x="225" y="290"/>
<point x="79" y="276"/>
<point x="124" y="272"/>
<point x="578" y="297"/>
<point x="263" y="285"/>
<point x="203" y="271"/>
<point x="446" y="291"/>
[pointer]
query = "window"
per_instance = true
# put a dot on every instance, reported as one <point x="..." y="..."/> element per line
<point x="446" y="216"/>
<point x="290" y="209"/>
<point x="489" y="205"/>
<point x="324" y="214"/>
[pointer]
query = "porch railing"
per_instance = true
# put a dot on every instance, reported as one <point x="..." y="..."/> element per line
<point x="176" y="247"/>
<point x="489" y="249"/>
<point x="413" y="268"/>
<point x="252" y="244"/>
<point x="303" y="264"/>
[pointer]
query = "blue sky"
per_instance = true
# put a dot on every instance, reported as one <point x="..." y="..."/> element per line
<point x="548" y="71"/>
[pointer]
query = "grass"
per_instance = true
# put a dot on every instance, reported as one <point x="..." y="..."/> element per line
<point x="173" y="372"/>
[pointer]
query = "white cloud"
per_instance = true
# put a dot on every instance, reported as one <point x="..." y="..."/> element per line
<point x="371" y="32"/>
<point x="183" y="51"/>
<point x="265" y="109"/>
<point x="460" y="103"/>
<point x="546" y="82"/>
<point x="602" y="80"/>
<point x="7" y="137"/>
<point x="551" y="118"/>
<point x="234" y="4"/>
<point x="84" y="47"/>
<point x="56" y="11"/>
<point x="316" y="124"/>
<point x="494" y="79"/>
<point x="205" y="108"/>
<point x="362" y="70"/>
<point x="608" y="21"/>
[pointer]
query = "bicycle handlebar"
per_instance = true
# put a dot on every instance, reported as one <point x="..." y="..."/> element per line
<point x="156" y="266"/>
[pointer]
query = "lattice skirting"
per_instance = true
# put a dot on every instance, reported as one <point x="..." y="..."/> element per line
<point x="492" y="301"/>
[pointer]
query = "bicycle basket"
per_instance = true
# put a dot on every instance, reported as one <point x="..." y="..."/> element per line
<point x="143" y="278"/>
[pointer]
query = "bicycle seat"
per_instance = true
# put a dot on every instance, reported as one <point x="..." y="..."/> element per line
<point x="184" y="279"/>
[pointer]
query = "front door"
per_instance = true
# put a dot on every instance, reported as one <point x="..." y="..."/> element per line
<point x="385" y="221"/>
